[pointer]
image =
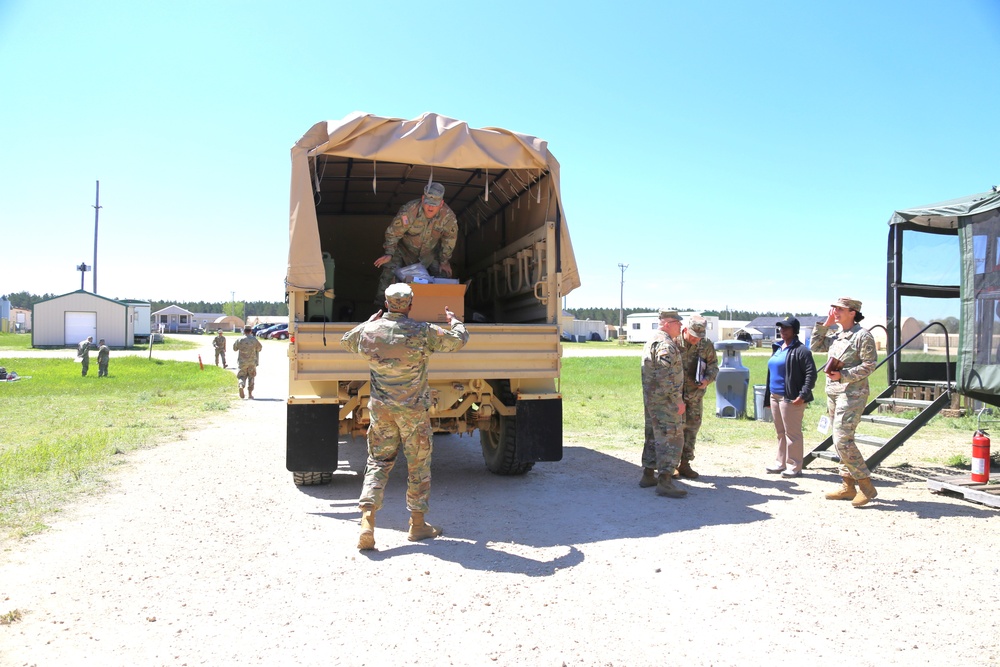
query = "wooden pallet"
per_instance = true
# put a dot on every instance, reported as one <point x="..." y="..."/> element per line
<point x="986" y="494"/>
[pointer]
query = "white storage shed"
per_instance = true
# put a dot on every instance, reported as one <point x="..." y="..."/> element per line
<point x="63" y="321"/>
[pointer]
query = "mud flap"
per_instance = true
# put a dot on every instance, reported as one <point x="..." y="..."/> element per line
<point x="539" y="430"/>
<point x="311" y="437"/>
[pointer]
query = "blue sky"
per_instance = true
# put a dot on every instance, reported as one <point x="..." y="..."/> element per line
<point x="731" y="153"/>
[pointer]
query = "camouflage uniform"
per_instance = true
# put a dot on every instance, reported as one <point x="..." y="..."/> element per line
<point x="693" y="394"/>
<point x="662" y="390"/>
<point x="219" y="343"/>
<point x="248" y="348"/>
<point x="412" y="238"/>
<point x="83" y="351"/>
<point x="846" y="398"/>
<point x="103" y="358"/>
<point x="398" y="349"/>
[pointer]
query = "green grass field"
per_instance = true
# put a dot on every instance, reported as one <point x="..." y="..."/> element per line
<point x="59" y="432"/>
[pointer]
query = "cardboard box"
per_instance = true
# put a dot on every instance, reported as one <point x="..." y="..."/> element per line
<point x="429" y="302"/>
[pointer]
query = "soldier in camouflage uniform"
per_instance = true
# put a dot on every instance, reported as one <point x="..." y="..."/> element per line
<point x="663" y="407"/>
<point x="852" y="352"/>
<point x="397" y="350"/>
<point x="701" y="367"/>
<point x="424" y="230"/>
<point x="219" y="343"/>
<point x="103" y="358"/>
<point x="248" y="348"/>
<point x="83" y="351"/>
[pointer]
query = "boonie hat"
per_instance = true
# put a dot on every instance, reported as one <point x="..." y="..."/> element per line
<point x="433" y="194"/>
<point x="849" y="303"/>
<point x="696" y="326"/>
<point x="398" y="296"/>
<point x="789" y="322"/>
<point x="669" y="315"/>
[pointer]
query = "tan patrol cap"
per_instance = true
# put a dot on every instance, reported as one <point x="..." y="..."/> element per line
<point x="669" y="315"/>
<point x="696" y="326"/>
<point x="849" y="303"/>
<point x="398" y="296"/>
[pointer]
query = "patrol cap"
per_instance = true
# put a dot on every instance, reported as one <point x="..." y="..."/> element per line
<point x="849" y="303"/>
<point x="696" y="326"/>
<point x="789" y="322"/>
<point x="398" y="296"/>
<point x="246" y="329"/>
<point x="433" y="194"/>
<point x="669" y="315"/>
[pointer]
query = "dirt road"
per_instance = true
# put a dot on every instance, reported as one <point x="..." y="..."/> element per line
<point x="203" y="552"/>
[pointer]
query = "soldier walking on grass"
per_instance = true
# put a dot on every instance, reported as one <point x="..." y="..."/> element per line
<point x="663" y="407"/>
<point x="83" y="351"/>
<point x="701" y="367"/>
<point x="248" y="348"/>
<point x="103" y="358"/>
<point x="219" y="343"/>
<point x="397" y="350"/>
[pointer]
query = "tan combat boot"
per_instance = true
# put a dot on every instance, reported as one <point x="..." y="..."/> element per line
<point x="241" y="392"/>
<point x="845" y="492"/>
<point x="420" y="530"/>
<point x="367" y="539"/>
<point x="665" y="487"/>
<point x="648" y="478"/>
<point x="866" y="492"/>
<point x="685" y="470"/>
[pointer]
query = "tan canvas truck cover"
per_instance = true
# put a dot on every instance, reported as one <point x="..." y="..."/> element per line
<point x="428" y="140"/>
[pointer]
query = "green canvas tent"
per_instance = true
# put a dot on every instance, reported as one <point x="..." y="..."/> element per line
<point x="931" y="248"/>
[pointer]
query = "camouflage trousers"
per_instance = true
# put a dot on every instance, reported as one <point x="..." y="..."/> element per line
<point x="85" y="365"/>
<point x="102" y="369"/>
<point x="845" y="411"/>
<point x="387" y="432"/>
<point x="220" y="354"/>
<point x="246" y="376"/>
<point x="664" y="440"/>
<point x="693" y="412"/>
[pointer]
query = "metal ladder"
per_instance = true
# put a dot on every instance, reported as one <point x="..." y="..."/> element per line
<point x="907" y="427"/>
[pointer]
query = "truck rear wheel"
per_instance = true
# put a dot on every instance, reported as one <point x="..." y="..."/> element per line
<point x="312" y="478"/>
<point x="500" y="442"/>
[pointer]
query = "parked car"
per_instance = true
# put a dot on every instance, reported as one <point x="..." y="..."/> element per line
<point x="279" y="332"/>
<point x="263" y="333"/>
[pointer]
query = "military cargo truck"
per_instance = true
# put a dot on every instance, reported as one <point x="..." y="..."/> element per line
<point x="513" y="255"/>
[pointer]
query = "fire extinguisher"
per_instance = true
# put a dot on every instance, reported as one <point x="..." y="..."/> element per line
<point x="980" y="457"/>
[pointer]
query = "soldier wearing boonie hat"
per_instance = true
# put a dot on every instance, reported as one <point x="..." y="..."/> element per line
<point x="852" y="357"/>
<point x="397" y="350"/>
<point x="701" y="366"/>
<point x="424" y="231"/>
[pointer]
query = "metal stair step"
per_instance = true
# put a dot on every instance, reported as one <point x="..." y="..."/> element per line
<point x="870" y="440"/>
<point x="903" y="402"/>
<point x="827" y="454"/>
<point x="885" y="421"/>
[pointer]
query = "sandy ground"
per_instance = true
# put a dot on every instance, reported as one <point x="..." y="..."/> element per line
<point x="203" y="552"/>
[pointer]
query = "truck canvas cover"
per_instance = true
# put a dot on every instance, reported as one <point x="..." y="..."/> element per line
<point x="514" y="165"/>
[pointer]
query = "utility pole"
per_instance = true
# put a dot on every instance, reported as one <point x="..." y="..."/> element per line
<point x="97" y="211"/>
<point x="621" y="302"/>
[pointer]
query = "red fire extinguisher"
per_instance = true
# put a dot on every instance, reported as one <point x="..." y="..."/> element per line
<point x="980" y="457"/>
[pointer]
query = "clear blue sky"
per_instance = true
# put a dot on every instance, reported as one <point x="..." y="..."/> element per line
<point x="731" y="153"/>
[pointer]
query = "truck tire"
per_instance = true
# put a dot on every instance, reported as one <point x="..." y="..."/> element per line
<point x="312" y="478"/>
<point x="500" y="442"/>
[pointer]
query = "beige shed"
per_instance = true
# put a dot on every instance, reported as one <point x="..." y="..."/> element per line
<point x="63" y="321"/>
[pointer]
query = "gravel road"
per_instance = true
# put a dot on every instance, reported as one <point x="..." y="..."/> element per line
<point x="203" y="552"/>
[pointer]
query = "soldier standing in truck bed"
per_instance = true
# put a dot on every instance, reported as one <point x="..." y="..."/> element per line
<point x="424" y="230"/>
<point x="397" y="350"/>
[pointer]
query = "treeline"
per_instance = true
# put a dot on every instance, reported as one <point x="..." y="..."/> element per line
<point x="251" y="308"/>
<point x="610" y="315"/>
